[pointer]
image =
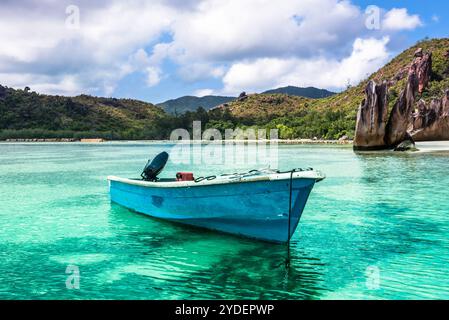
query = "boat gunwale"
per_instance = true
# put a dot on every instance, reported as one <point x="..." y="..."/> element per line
<point x="312" y="174"/>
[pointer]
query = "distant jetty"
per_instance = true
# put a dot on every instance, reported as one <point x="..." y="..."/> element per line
<point x="92" y="140"/>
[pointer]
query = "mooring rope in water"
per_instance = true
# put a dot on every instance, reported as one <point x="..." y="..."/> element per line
<point x="289" y="216"/>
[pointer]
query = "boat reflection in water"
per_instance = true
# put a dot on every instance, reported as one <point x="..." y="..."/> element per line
<point x="177" y="262"/>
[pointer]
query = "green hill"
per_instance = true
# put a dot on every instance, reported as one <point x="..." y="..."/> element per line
<point x="309" y="92"/>
<point x="191" y="103"/>
<point x="335" y="116"/>
<point x="25" y="114"/>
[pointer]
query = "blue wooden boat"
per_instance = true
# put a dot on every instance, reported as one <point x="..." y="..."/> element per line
<point x="261" y="204"/>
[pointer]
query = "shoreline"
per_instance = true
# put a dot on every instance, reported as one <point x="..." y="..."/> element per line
<point x="423" y="146"/>
<point x="279" y="141"/>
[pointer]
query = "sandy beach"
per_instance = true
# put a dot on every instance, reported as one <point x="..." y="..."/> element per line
<point x="280" y="141"/>
<point x="433" y="146"/>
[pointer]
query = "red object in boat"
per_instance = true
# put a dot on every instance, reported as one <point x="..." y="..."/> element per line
<point x="184" y="176"/>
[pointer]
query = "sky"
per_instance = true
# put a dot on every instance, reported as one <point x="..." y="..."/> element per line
<point x="162" y="49"/>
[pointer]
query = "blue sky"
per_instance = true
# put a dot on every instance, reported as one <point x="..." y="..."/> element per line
<point x="434" y="14"/>
<point x="161" y="49"/>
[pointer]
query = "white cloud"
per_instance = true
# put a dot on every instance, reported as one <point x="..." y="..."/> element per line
<point x="63" y="85"/>
<point x="203" y="92"/>
<point x="248" y="44"/>
<point x="141" y="62"/>
<point x="366" y="57"/>
<point x="96" y="56"/>
<point x="234" y="29"/>
<point x="200" y="71"/>
<point x="153" y="76"/>
<point x="399" y="19"/>
<point x="140" y="58"/>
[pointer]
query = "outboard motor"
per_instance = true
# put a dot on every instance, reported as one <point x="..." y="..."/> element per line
<point x="153" y="168"/>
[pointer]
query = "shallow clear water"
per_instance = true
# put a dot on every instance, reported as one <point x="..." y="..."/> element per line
<point x="377" y="227"/>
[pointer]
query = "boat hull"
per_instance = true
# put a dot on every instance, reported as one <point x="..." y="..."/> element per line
<point x="255" y="209"/>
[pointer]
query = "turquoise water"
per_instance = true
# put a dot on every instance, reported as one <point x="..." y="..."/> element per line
<point x="376" y="228"/>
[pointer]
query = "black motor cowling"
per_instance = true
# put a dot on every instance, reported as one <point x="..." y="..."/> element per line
<point x="153" y="168"/>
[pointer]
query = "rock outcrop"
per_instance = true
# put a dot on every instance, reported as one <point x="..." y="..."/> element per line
<point x="371" y="131"/>
<point x="431" y="122"/>
<point x="423" y="68"/>
<point x="406" y="145"/>
<point x="401" y="114"/>
<point x="242" y="96"/>
<point x="372" y="118"/>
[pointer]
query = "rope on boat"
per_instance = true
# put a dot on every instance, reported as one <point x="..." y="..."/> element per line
<point x="205" y="178"/>
<point x="253" y="172"/>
